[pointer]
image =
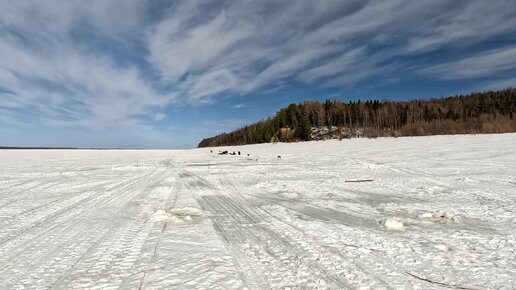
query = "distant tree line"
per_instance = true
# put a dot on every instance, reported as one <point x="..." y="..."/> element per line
<point x="485" y="112"/>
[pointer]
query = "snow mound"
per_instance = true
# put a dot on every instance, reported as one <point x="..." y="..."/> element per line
<point x="441" y="247"/>
<point x="290" y="194"/>
<point x="440" y="215"/>
<point x="186" y="211"/>
<point x="391" y="224"/>
<point x="177" y="214"/>
<point x="160" y="215"/>
<point x="435" y="189"/>
<point x="366" y="164"/>
<point x="466" y="179"/>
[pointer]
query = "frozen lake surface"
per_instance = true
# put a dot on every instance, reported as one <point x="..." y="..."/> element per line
<point x="405" y="213"/>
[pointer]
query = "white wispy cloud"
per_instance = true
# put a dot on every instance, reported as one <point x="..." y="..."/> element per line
<point x="465" y="25"/>
<point x="243" y="46"/>
<point x="238" y="106"/>
<point x="51" y="74"/>
<point x="482" y="64"/>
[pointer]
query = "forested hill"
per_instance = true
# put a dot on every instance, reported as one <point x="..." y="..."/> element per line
<point x="486" y="112"/>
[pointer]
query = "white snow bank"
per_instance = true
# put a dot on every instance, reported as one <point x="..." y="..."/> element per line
<point x="440" y="215"/>
<point x="441" y="247"/>
<point x="186" y="211"/>
<point x="391" y="224"/>
<point x="161" y="215"/>
<point x="365" y="164"/>
<point x="431" y="189"/>
<point x="177" y="214"/>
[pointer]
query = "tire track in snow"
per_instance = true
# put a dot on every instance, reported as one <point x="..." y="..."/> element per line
<point x="69" y="231"/>
<point x="340" y="271"/>
<point x="264" y="254"/>
<point x="60" y="209"/>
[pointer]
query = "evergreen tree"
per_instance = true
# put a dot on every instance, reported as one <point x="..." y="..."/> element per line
<point x="305" y="128"/>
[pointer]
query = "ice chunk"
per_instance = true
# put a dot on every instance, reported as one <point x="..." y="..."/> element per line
<point x="440" y="215"/>
<point x="392" y="224"/>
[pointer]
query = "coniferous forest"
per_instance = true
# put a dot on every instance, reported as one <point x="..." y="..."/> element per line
<point x="485" y="112"/>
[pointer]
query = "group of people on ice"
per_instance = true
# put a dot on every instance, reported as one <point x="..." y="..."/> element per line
<point x="226" y="152"/>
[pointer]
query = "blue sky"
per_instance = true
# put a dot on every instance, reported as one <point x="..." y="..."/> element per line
<point x="165" y="74"/>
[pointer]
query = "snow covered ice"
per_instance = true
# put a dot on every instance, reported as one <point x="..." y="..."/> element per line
<point x="433" y="211"/>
